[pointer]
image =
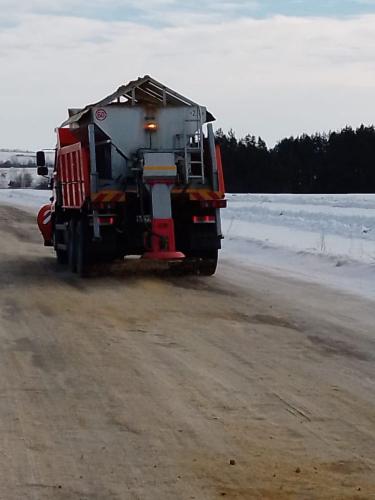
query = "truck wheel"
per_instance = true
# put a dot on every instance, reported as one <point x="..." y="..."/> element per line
<point x="204" y="264"/>
<point x="82" y="254"/>
<point x="61" y="255"/>
<point x="72" y="246"/>
<point x="207" y="263"/>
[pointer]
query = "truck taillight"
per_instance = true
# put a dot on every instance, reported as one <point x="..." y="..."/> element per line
<point x="213" y="203"/>
<point x="106" y="221"/>
<point x="204" y="219"/>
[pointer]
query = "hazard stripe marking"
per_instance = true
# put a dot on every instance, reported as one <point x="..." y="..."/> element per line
<point x="47" y="218"/>
<point x="195" y="195"/>
<point x="201" y="194"/>
<point x="107" y="196"/>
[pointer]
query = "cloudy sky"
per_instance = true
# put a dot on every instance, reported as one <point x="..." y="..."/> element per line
<point x="273" y="68"/>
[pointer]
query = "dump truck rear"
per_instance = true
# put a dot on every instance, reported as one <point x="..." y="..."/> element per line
<point x="136" y="174"/>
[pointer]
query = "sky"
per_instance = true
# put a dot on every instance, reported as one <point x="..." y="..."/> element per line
<point x="272" y="68"/>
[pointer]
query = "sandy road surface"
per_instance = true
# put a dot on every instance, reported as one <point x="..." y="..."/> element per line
<point x="141" y="385"/>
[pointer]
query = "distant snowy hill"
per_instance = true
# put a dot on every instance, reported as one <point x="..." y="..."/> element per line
<point x="22" y="157"/>
<point x="17" y="156"/>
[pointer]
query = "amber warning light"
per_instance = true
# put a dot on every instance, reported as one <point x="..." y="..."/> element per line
<point x="151" y="127"/>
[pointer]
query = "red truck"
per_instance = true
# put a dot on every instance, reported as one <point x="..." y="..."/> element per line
<point x="137" y="173"/>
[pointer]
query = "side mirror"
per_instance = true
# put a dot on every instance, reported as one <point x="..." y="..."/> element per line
<point x="40" y="159"/>
<point x="42" y="170"/>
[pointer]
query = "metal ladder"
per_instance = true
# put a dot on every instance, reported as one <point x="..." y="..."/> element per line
<point x="196" y="150"/>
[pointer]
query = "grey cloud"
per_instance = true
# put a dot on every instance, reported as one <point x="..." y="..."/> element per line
<point x="283" y="75"/>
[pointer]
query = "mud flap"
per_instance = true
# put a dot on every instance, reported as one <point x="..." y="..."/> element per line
<point x="44" y="220"/>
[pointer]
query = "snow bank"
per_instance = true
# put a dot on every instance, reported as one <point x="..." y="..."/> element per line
<point x="323" y="238"/>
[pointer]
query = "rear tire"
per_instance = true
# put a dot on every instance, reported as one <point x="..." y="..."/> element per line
<point x="72" y="246"/>
<point x="207" y="263"/>
<point x="204" y="264"/>
<point x="82" y="254"/>
<point x="61" y="255"/>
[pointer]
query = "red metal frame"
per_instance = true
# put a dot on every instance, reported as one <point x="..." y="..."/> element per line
<point x="220" y="169"/>
<point x="72" y="169"/>
<point x="65" y="137"/>
<point x="73" y="174"/>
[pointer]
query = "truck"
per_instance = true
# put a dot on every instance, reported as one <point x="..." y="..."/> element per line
<point x="136" y="173"/>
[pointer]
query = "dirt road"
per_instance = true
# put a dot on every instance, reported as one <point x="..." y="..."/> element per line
<point x="141" y="385"/>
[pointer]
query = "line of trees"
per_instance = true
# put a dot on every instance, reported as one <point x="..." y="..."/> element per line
<point x="338" y="162"/>
<point x="11" y="163"/>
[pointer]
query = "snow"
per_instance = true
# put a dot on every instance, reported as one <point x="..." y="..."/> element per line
<point x="7" y="154"/>
<point x="20" y="175"/>
<point x="32" y="199"/>
<point x="23" y="167"/>
<point x="327" y="239"/>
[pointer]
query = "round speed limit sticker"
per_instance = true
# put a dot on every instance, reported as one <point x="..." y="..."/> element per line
<point x="100" y="114"/>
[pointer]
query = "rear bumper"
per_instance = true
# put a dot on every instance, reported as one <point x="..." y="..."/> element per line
<point x="166" y="256"/>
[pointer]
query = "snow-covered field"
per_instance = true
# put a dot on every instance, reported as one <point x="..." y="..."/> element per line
<point x="31" y="199"/>
<point x="342" y="226"/>
<point x="18" y="155"/>
<point x="23" y="176"/>
<point x="327" y="239"/>
<point x="23" y="172"/>
<point x="323" y="238"/>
